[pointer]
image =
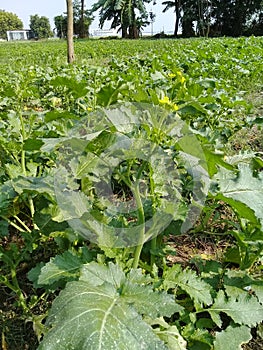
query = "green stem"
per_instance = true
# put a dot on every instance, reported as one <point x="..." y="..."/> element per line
<point x="22" y="223"/>
<point x="13" y="224"/>
<point x="23" y="153"/>
<point x="18" y="291"/>
<point x="154" y="240"/>
<point x="23" y="164"/>
<point x="14" y="286"/>
<point x="141" y="219"/>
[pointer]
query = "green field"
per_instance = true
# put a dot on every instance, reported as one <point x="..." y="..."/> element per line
<point x="131" y="200"/>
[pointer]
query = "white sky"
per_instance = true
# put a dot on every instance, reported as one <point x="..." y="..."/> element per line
<point x="51" y="8"/>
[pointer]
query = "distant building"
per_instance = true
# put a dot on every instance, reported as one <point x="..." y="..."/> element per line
<point x="24" y="34"/>
<point x="102" y="33"/>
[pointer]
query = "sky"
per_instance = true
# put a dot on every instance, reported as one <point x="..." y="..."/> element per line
<point x="51" y="8"/>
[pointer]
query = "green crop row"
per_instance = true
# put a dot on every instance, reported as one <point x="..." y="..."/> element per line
<point x="103" y="164"/>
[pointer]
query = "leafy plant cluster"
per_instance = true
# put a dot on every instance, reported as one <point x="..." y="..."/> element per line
<point x="57" y="123"/>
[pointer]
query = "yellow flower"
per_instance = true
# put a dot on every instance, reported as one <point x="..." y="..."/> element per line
<point x="175" y="107"/>
<point x="89" y="109"/>
<point x="171" y="75"/>
<point x="182" y="79"/>
<point x="165" y="100"/>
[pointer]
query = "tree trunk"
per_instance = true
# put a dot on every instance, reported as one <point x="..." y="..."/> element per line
<point x="177" y="14"/>
<point x="124" y="33"/>
<point x="82" y="26"/>
<point x="71" y="56"/>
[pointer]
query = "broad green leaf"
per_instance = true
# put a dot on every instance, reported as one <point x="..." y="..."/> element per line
<point x="4" y="225"/>
<point x="188" y="280"/>
<point x="97" y="274"/>
<point x="244" y="309"/>
<point x="47" y="225"/>
<point x="158" y="303"/>
<point x="96" y="318"/>
<point x="243" y="188"/>
<point x="169" y="334"/>
<point x="244" y="282"/>
<point x="7" y="195"/>
<point x="75" y="87"/>
<point x="134" y="288"/>
<point x="34" y="184"/>
<point x="232" y="338"/>
<point x="34" y="273"/>
<point x="65" y="266"/>
<point x="55" y="115"/>
<point x="214" y="160"/>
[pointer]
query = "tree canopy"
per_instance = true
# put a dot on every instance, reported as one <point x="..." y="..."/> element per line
<point x="9" y="21"/>
<point x="217" y="17"/>
<point x="40" y="26"/>
<point x="128" y="15"/>
<point x="81" y="21"/>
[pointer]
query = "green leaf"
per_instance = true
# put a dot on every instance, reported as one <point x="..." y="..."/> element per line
<point x="34" y="273"/>
<point x="214" y="160"/>
<point x="7" y="195"/>
<point x="55" y="115"/>
<point x="96" y="274"/>
<point x="187" y="279"/>
<point x="96" y="318"/>
<point x="244" y="282"/>
<point x="243" y="309"/>
<point x="65" y="266"/>
<point x="75" y="87"/>
<point x="243" y="192"/>
<point x="134" y="288"/>
<point x="35" y="184"/>
<point x="32" y="144"/>
<point x="46" y="225"/>
<point x="3" y="228"/>
<point x="233" y="337"/>
<point x="169" y="334"/>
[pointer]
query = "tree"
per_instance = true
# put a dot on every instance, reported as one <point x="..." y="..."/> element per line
<point x="176" y="4"/>
<point x="82" y="33"/>
<point x="70" y="43"/>
<point x="129" y="15"/>
<point x="231" y="16"/>
<point x="9" y="21"/>
<point x="40" y="26"/>
<point x="61" y="26"/>
<point x="81" y="21"/>
<point x="186" y="14"/>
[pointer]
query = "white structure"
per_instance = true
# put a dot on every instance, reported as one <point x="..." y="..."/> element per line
<point x="23" y="34"/>
<point x="102" y="33"/>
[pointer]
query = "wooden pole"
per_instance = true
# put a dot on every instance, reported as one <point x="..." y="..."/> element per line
<point x="71" y="55"/>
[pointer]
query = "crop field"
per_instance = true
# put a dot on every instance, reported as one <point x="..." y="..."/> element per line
<point x="131" y="195"/>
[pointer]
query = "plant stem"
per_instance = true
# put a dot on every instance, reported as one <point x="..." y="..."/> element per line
<point x="22" y="223"/>
<point x="141" y="219"/>
<point x="154" y="240"/>
<point x="13" y="224"/>
<point x="23" y="153"/>
<point x="23" y="165"/>
<point x="18" y="291"/>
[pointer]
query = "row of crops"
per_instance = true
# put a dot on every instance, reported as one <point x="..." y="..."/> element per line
<point x="106" y="167"/>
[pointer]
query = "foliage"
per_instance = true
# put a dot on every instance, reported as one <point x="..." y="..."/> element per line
<point x="9" y="21"/>
<point x="123" y="14"/>
<point x="61" y="21"/>
<point x="64" y="216"/>
<point x="216" y="18"/>
<point x="40" y="26"/>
